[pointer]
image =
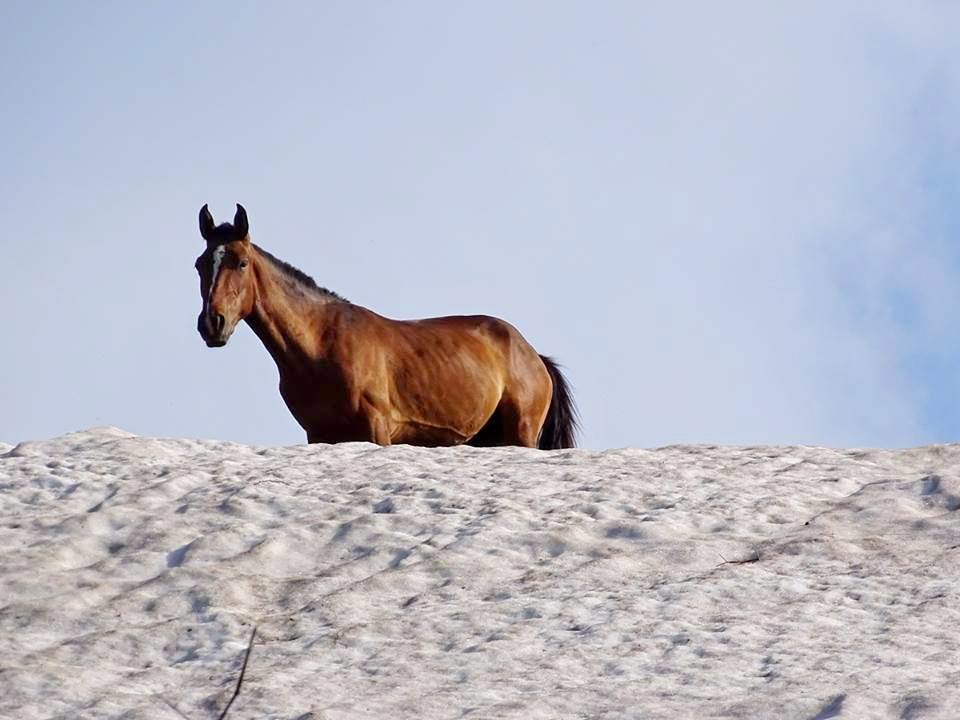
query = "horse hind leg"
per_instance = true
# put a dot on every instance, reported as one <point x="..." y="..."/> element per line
<point x="491" y="434"/>
<point x="521" y="425"/>
<point x="525" y="404"/>
<point x="508" y="425"/>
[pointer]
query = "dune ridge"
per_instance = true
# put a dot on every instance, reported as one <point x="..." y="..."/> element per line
<point x="401" y="582"/>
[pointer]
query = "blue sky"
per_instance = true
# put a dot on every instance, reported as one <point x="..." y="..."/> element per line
<point x="731" y="224"/>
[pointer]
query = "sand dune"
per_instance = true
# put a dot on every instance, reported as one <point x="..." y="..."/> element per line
<point x="686" y="582"/>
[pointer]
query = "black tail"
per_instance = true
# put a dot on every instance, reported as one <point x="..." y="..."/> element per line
<point x="560" y="428"/>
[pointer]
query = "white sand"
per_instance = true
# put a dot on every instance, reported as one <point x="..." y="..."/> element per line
<point x="687" y="582"/>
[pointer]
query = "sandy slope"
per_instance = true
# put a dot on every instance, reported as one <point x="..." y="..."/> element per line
<point x="686" y="582"/>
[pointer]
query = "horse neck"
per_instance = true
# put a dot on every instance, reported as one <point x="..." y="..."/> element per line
<point x="287" y="317"/>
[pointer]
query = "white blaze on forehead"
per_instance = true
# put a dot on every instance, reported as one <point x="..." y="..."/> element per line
<point x="218" y="253"/>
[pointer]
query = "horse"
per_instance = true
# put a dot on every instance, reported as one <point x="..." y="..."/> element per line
<point x="349" y="374"/>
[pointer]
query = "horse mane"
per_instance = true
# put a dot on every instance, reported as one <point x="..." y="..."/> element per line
<point x="299" y="276"/>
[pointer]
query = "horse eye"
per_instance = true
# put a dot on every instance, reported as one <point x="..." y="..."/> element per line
<point x="243" y="264"/>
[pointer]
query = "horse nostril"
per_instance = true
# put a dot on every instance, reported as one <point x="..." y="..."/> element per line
<point x="219" y="322"/>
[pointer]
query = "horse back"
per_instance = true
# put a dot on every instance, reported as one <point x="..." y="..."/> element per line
<point x="453" y="371"/>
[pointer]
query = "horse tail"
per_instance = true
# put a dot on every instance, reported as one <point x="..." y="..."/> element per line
<point x="560" y="428"/>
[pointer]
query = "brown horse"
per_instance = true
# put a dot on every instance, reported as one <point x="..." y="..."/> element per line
<point x="347" y="373"/>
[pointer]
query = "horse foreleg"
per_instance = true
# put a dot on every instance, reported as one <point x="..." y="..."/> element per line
<point x="376" y="424"/>
<point x="379" y="430"/>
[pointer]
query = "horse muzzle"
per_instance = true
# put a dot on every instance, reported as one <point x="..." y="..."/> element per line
<point x="214" y="331"/>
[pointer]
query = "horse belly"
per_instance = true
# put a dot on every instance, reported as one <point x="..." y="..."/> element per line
<point x="412" y="433"/>
<point x="445" y="407"/>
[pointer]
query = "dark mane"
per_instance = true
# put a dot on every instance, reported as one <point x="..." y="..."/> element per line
<point x="299" y="275"/>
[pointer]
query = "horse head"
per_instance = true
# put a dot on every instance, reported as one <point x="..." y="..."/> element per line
<point x="226" y="283"/>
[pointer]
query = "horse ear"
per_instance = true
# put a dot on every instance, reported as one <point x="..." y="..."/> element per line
<point x="240" y="223"/>
<point x="206" y="223"/>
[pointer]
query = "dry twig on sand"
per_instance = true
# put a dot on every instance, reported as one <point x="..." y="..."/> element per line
<point x="243" y="670"/>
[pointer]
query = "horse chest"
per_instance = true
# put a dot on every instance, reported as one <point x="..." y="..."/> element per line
<point x="317" y="401"/>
